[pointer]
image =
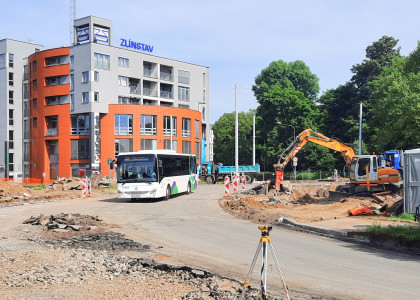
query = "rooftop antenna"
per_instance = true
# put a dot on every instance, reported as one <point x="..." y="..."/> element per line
<point x="72" y="18"/>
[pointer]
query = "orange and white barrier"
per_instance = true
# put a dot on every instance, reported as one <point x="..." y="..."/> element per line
<point x="227" y="185"/>
<point x="235" y="180"/>
<point x="86" y="187"/>
<point x="243" y="182"/>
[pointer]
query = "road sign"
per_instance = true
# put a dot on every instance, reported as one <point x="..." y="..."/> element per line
<point x="295" y="158"/>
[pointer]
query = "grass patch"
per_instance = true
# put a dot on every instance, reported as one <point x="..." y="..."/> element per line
<point x="408" y="232"/>
<point x="110" y="187"/>
<point x="37" y="187"/>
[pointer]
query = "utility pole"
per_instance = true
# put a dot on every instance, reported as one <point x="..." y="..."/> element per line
<point x="236" y="131"/>
<point x="170" y="126"/>
<point x="72" y="18"/>
<point x="253" y="140"/>
<point x="360" y="129"/>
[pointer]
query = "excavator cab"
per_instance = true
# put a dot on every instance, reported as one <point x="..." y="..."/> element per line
<point x="364" y="168"/>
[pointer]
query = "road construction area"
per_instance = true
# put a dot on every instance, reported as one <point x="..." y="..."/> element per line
<point x="56" y="245"/>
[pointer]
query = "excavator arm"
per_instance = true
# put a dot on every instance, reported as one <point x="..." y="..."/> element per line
<point x="308" y="135"/>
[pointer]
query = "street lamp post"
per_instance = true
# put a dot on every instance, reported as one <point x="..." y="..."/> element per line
<point x="294" y="132"/>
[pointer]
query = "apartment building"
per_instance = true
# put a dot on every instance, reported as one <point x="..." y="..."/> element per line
<point x="14" y="92"/>
<point x="92" y="100"/>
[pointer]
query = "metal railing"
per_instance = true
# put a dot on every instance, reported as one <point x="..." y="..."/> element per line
<point x="148" y="131"/>
<point x="80" y="131"/>
<point x="52" y="132"/>
<point x="167" y="132"/>
<point x="166" y="94"/>
<point x="166" y="76"/>
<point x="149" y="92"/>
<point x="149" y="73"/>
<point x="135" y="89"/>
<point x="186" y="133"/>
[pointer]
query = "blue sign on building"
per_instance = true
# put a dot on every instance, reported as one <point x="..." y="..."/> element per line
<point x="203" y="150"/>
<point x="136" y="46"/>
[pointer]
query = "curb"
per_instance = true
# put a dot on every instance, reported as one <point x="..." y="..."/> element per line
<point x="334" y="233"/>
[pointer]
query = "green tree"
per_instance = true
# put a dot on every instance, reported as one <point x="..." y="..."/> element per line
<point x="295" y="75"/>
<point x="396" y="106"/>
<point x="224" y="138"/>
<point x="340" y="107"/>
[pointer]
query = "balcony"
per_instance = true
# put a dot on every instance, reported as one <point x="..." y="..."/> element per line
<point x="150" y="73"/>
<point x="166" y="76"/>
<point x="148" y="131"/>
<point x="167" y="132"/>
<point x="149" y="92"/>
<point x="52" y="132"/>
<point x="26" y="157"/>
<point x="166" y="94"/>
<point x="80" y="131"/>
<point x="26" y="134"/>
<point x="135" y="89"/>
<point x="186" y="133"/>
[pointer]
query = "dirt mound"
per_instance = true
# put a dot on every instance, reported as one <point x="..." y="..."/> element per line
<point x="10" y="189"/>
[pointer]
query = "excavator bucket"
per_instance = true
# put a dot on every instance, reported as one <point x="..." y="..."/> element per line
<point x="337" y="196"/>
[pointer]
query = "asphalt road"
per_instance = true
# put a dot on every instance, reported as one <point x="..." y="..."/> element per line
<point x="194" y="230"/>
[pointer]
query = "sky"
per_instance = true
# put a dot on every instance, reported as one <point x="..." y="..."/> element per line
<point x="236" y="39"/>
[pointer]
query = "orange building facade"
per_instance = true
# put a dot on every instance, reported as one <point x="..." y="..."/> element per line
<point x="66" y="142"/>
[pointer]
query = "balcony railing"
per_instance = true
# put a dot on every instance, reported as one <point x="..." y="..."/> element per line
<point x="148" y="131"/>
<point x="26" y="157"/>
<point x="166" y="76"/>
<point x="149" y="92"/>
<point x="167" y="132"/>
<point x="52" y="131"/>
<point x="149" y="73"/>
<point x="135" y="89"/>
<point x="26" y="134"/>
<point x="166" y="94"/>
<point x="80" y="131"/>
<point x="186" y="133"/>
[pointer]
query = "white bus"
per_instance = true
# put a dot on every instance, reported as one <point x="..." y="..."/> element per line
<point x="155" y="174"/>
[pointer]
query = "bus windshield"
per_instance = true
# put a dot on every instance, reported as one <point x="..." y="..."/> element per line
<point x="136" y="168"/>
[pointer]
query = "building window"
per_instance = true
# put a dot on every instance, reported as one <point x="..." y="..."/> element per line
<point x="11" y="78"/>
<point x="186" y="147"/>
<point x="35" y="84"/>
<point x="71" y="62"/>
<point x="71" y="102"/>
<point x="167" y="144"/>
<point x="26" y="151"/>
<point x="80" y="149"/>
<point x="25" y="109"/>
<point x="167" y="126"/>
<point x="2" y="61"/>
<point x="52" y="125"/>
<point x="80" y="124"/>
<point x="54" y="80"/>
<point x="148" y="125"/>
<point x="56" y="60"/>
<point x="77" y="169"/>
<point x="123" y="124"/>
<point x="183" y="106"/>
<point x="34" y="65"/>
<point x="85" y="76"/>
<point x="11" y="161"/>
<point x="148" y="144"/>
<point x="183" y="93"/>
<point x="11" y="97"/>
<point x="96" y="76"/>
<point x="25" y="73"/>
<point x="71" y="82"/>
<point x="197" y="150"/>
<point x="25" y="91"/>
<point x="186" y="127"/>
<point x="35" y="103"/>
<point x="197" y="129"/>
<point x="11" y="144"/>
<point x="11" y="59"/>
<point x="184" y="76"/>
<point x="101" y="61"/>
<point x="35" y="122"/>
<point x="26" y="129"/>
<point x="85" y="97"/>
<point x="10" y="116"/>
<point x="123" y="62"/>
<point x="122" y="80"/>
<point x="96" y="97"/>
<point x="123" y="145"/>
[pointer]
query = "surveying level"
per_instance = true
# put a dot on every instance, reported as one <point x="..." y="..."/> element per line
<point x="262" y="245"/>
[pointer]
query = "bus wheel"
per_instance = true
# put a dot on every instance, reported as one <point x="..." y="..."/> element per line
<point x="248" y="179"/>
<point x="168" y="193"/>
<point x="209" y="180"/>
<point x="189" y="188"/>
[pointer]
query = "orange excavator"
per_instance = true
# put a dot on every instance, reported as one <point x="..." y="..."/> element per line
<point x="364" y="169"/>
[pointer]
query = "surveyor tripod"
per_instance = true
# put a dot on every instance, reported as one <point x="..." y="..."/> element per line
<point x="262" y="245"/>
